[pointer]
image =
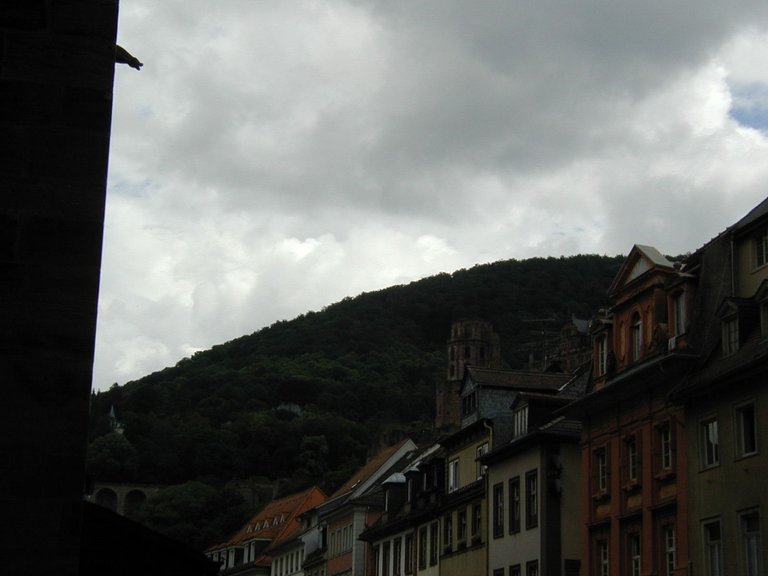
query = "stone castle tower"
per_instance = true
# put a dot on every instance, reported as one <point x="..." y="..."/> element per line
<point x="472" y="343"/>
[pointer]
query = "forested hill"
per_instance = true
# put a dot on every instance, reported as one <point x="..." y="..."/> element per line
<point x="305" y="399"/>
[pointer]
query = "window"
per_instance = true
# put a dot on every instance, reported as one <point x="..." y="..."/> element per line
<point x="710" y="455"/>
<point x="423" y="548"/>
<point x="453" y="475"/>
<point x="750" y="534"/>
<point x="713" y="548"/>
<point x="520" y="421"/>
<point x="498" y="572"/>
<point x="397" y="556"/>
<point x="434" y="534"/>
<point x="602" y="355"/>
<point x="531" y="499"/>
<point x="603" y="558"/>
<point x="601" y="469"/>
<point x="461" y="535"/>
<point x="481" y="468"/>
<point x="633" y="546"/>
<point x="636" y="336"/>
<point x="514" y="504"/>
<point x="633" y="459"/>
<point x="498" y="510"/>
<point x="448" y="533"/>
<point x="409" y="490"/>
<point x="730" y="335"/>
<point x="665" y="445"/>
<point x="670" y="551"/>
<point x="746" y="437"/>
<point x="385" y="559"/>
<point x="760" y="243"/>
<point x="678" y="302"/>
<point x="409" y="553"/>
<point x="532" y="568"/>
<point x="376" y="555"/>
<point x="469" y="403"/>
<point x="477" y="521"/>
<point x="514" y="570"/>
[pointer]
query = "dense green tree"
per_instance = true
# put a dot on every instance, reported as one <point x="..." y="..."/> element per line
<point x="195" y="513"/>
<point x="111" y="457"/>
<point x="317" y="392"/>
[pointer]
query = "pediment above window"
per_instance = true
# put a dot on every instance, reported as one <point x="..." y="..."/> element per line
<point x="640" y="261"/>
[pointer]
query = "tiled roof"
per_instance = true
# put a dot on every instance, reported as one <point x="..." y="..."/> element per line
<point x="517" y="379"/>
<point x="369" y="469"/>
<point x="277" y="520"/>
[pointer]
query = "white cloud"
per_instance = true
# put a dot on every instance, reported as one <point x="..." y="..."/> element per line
<point x="273" y="157"/>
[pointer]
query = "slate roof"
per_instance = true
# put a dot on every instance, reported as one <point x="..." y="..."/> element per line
<point x="517" y="379"/>
<point x="656" y="257"/>
<point x="753" y="215"/>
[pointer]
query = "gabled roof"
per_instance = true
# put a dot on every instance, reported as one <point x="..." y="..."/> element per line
<point x="641" y="259"/>
<point x="374" y="469"/>
<point x="424" y="456"/>
<point x="278" y="520"/>
<point x="516" y="379"/>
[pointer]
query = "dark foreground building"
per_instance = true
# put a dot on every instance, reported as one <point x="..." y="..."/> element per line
<point x="57" y="61"/>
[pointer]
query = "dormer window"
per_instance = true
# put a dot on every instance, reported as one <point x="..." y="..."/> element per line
<point x="760" y="243"/>
<point x="602" y="355"/>
<point x="409" y="490"/>
<point x="636" y="336"/>
<point x="520" y="421"/>
<point x="469" y="403"/>
<point x="730" y="335"/>
<point x="678" y="310"/>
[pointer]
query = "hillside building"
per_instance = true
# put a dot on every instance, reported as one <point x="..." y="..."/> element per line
<point x="472" y="343"/>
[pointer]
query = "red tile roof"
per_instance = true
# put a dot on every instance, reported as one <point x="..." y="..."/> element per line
<point x="278" y="520"/>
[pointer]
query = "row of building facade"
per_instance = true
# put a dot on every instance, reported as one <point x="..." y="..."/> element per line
<point x="648" y="458"/>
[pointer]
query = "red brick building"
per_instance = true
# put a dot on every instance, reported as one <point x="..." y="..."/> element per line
<point x="633" y="459"/>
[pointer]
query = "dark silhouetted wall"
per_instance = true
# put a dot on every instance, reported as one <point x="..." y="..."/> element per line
<point x="56" y="76"/>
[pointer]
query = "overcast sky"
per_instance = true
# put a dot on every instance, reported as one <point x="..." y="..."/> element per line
<point x="275" y="156"/>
